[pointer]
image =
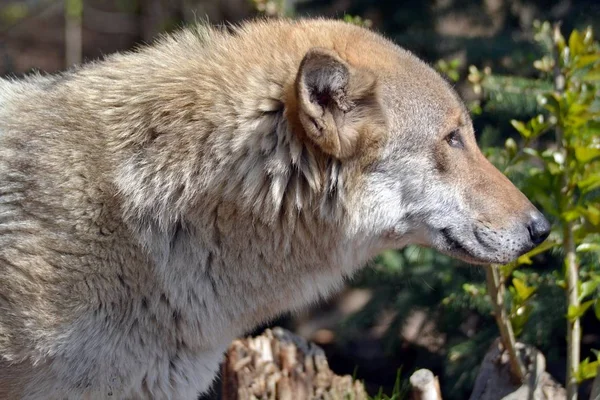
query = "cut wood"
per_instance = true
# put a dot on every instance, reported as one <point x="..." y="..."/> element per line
<point x="425" y="385"/>
<point x="280" y="365"/>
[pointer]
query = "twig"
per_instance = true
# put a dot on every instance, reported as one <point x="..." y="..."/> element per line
<point x="496" y="291"/>
<point x="574" y="327"/>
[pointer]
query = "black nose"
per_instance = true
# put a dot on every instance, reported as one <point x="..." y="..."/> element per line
<point x="538" y="227"/>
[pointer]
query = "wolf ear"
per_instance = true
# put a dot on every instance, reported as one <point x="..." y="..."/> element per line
<point x="326" y="90"/>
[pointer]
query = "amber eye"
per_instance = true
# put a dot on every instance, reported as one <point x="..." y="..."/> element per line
<point x="454" y="139"/>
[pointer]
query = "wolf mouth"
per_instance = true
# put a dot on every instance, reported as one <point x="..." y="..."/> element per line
<point x="456" y="249"/>
<point x="453" y="243"/>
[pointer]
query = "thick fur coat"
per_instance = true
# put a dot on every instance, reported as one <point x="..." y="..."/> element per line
<point x="156" y="204"/>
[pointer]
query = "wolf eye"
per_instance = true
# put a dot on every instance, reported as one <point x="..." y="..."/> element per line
<point x="454" y="139"/>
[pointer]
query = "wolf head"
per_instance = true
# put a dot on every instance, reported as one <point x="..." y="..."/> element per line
<point x="334" y="125"/>
<point x="420" y="177"/>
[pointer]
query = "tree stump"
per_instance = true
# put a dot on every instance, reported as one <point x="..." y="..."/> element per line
<point x="494" y="381"/>
<point x="425" y="385"/>
<point x="280" y="365"/>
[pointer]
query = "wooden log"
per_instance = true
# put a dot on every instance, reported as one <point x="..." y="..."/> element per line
<point x="425" y="385"/>
<point x="279" y="365"/>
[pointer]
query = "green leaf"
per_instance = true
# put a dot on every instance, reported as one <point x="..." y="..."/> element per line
<point x="531" y="152"/>
<point x="586" y="154"/>
<point x="392" y="260"/>
<point x="519" y="317"/>
<point x="545" y="64"/>
<point x="593" y="75"/>
<point x="575" y="312"/>
<point x="572" y="215"/>
<point x="597" y="309"/>
<point x="588" y="247"/>
<point x="526" y="258"/>
<point x="554" y="168"/>
<point x="521" y="128"/>
<point x="551" y="102"/>
<point x="592" y="214"/>
<point x="538" y="124"/>
<point x="590" y="183"/>
<point x="587" y="370"/>
<point x="587" y="59"/>
<point x="471" y="289"/>
<point x="588" y="36"/>
<point x="507" y="269"/>
<point x="558" y="39"/>
<point x="455" y="63"/>
<point x="511" y="147"/>
<point x="576" y="43"/>
<point x="587" y="288"/>
<point x="523" y="291"/>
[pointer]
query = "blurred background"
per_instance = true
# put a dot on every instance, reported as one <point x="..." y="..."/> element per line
<point x="412" y="308"/>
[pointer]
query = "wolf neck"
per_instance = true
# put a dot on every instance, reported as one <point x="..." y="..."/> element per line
<point x="188" y="136"/>
<point x="248" y="233"/>
<point x="218" y="187"/>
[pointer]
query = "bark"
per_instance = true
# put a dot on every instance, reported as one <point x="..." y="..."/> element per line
<point x="595" y="395"/>
<point x="281" y="365"/>
<point x="494" y="381"/>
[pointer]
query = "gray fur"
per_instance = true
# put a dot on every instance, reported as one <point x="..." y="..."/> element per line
<point x="157" y="204"/>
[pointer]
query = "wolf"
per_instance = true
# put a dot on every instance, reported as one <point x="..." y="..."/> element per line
<point x="156" y="204"/>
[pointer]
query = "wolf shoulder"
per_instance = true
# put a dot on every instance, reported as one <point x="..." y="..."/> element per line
<point x="15" y="91"/>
